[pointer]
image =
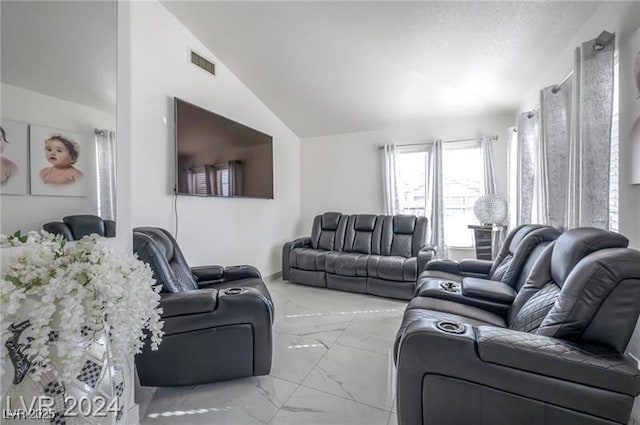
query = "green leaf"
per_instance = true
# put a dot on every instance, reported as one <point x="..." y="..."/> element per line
<point x="15" y="281"/>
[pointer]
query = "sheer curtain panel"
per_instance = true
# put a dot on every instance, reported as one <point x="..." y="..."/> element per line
<point x="489" y="173"/>
<point x="590" y="146"/>
<point x="555" y="110"/>
<point x="436" y="200"/>
<point x="527" y="162"/>
<point x="105" y="141"/>
<point x="390" y="189"/>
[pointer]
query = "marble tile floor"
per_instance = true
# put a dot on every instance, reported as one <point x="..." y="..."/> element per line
<point x="332" y="364"/>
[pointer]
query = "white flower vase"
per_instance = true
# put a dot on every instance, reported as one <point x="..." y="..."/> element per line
<point x="97" y="395"/>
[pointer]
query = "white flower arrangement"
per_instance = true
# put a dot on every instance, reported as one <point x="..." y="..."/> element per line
<point x="82" y="290"/>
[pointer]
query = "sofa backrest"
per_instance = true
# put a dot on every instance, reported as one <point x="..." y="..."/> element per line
<point x="359" y="236"/>
<point x="600" y="300"/>
<point x="572" y="281"/>
<point x="156" y="247"/>
<point x="402" y="235"/>
<point x="399" y="235"/>
<point x="396" y="235"/>
<point x="521" y="249"/>
<point x="74" y="227"/>
<point x="328" y="231"/>
<point x="508" y="249"/>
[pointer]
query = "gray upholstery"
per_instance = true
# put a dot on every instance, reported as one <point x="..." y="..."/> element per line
<point x="517" y="248"/>
<point x="520" y="252"/>
<point x="556" y="357"/>
<point x="75" y="227"/>
<point x="227" y="334"/>
<point x="380" y="255"/>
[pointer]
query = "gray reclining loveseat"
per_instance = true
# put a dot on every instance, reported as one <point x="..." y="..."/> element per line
<point x="555" y="357"/>
<point x="373" y="254"/>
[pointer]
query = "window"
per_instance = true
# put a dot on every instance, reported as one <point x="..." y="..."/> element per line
<point x="412" y="176"/>
<point x="462" y="184"/>
<point x="222" y="179"/>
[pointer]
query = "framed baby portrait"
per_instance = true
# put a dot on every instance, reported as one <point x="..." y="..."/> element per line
<point x="14" y="160"/>
<point x="60" y="161"/>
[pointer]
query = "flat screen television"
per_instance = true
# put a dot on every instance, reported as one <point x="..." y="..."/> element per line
<point x="216" y="156"/>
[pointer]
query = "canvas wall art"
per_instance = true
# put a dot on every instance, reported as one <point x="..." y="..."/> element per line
<point x="14" y="160"/>
<point x="59" y="162"/>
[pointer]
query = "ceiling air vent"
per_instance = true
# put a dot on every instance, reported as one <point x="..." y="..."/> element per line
<point x="201" y="62"/>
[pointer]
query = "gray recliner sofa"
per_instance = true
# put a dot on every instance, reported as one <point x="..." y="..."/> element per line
<point x="374" y="254"/>
<point x="556" y="357"/>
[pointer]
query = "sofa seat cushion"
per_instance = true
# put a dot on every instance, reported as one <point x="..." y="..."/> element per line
<point x="347" y="263"/>
<point x="308" y="259"/>
<point x="392" y="268"/>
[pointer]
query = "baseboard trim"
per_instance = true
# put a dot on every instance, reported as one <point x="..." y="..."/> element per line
<point x="272" y="277"/>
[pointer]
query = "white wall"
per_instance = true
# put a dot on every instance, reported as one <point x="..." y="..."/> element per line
<point x="343" y="172"/>
<point x="629" y="112"/>
<point x="629" y="194"/>
<point x="211" y="230"/>
<point x="25" y="212"/>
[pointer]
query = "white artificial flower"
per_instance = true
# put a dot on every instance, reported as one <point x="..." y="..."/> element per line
<point x="83" y="291"/>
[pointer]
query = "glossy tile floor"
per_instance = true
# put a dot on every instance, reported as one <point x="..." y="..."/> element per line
<point x="332" y="365"/>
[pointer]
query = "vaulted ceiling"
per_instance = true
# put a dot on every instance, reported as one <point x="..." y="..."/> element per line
<point x="334" y="67"/>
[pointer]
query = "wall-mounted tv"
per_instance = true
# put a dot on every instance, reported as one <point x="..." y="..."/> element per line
<point x="216" y="156"/>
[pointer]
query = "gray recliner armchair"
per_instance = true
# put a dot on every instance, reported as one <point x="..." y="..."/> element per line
<point x="556" y="357"/>
<point x="220" y="316"/>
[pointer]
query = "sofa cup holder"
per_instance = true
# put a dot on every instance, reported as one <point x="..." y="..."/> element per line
<point x="449" y="286"/>
<point x="234" y="291"/>
<point x="451" y="327"/>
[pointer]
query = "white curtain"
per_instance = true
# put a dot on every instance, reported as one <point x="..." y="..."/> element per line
<point x="390" y="191"/>
<point x="564" y="149"/>
<point x="489" y="173"/>
<point x="555" y="111"/>
<point x="105" y="141"/>
<point x="436" y="200"/>
<point x="527" y="162"/>
<point x="590" y="143"/>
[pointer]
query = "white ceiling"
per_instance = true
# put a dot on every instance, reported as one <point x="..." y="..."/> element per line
<point x="62" y="49"/>
<point x="333" y="67"/>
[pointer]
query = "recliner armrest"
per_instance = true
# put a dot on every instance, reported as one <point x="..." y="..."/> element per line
<point x="490" y="290"/>
<point x="426" y="350"/>
<point x="190" y="302"/>
<point x="229" y="274"/>
<point x="425" y="255"/>
<point x="240" y="272"/>
<point x="204" y="273"/>
<point x="298" y="243"/>
<point x="287" y="248"/>
<point x="476" y="268"/>
<point x="590" y="365"/>
<point x="447" y="266"/>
